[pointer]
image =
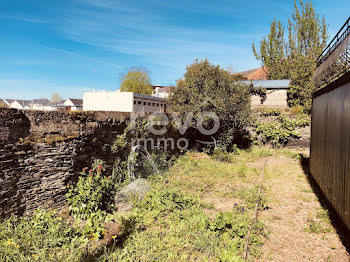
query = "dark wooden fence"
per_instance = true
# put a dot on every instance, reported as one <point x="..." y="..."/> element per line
<point x="330" y="130"/>
<point x="330" y="147"/>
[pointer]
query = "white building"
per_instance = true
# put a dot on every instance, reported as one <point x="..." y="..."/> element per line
<point x="74" y="104"/>
<point x="161" y="91"/>
<point x="122" y="102"/>
<point x="7" y="102"/>
<point x="35" y="104"/>
<point x="41" y="104"/>
<point x="276" y="92"/>
<point x="20" y="104"/>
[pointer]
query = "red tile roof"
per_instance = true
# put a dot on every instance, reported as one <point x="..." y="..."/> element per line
<point x="255" y="74"/>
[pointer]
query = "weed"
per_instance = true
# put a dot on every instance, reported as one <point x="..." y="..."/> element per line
<point x="43" y="237"/>
<point x="94" y="192"/>
<point x="167" y="225"/>
<point x="251" y="196"/>
<point x="316" y="227"/>
<point x="323" y="215"/>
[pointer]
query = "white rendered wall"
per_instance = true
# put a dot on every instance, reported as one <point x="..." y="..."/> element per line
<point x="273" y="98"/>
<point x="108" y="101"/>
<point x="151" y="105"/>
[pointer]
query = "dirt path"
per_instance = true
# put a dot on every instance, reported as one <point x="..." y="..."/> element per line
<point x="299" y="229"/>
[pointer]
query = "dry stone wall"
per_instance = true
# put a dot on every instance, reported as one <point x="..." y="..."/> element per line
<point x="41" y="152"/>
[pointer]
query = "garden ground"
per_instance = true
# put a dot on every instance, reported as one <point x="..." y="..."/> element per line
<point x="202" y="209"/>
<point x="299" y="228"/>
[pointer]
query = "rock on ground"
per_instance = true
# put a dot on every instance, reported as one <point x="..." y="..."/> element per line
<point x="135" y="190"/>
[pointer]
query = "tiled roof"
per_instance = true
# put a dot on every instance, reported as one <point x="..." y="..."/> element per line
<point x="76" y="102"/>
<point x="41" y="101"/>
<point x="9" y="101"/>
<point x="23" y="102"/>
<point x="255" y="74"/>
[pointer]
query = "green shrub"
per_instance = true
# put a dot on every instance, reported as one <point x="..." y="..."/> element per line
<point x="209" y="88"/>
<point x="297" y="110"/>
<point x="270" y="112"/>
<point x="279" y="131"/>
<point x="303" y="120"/>
<point x="221" y="155"/>
<point x="93" y="193"/>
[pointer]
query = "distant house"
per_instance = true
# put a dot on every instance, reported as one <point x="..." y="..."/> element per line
<point x="73" y="104"/>
<point x="255" y="74"/>
<point x="7" y="102"/>
<point x="276" y="89"/>
<point x="161" y="91"/>
<point x="276" y="92"/>
<point x="20" y="104"/>
<point x="41" y="104"/>
<point x="122" y="102"/>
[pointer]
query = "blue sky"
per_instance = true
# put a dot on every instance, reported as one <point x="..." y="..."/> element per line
<point x="73" y="46"/>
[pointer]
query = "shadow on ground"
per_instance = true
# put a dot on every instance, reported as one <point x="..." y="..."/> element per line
<point x="339" y="226"/>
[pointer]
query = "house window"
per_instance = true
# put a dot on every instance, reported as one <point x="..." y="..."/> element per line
<point x="149" y="104"/>
<point x="134" y="102"/>
<point x="153" y="104"/>
<point x="139" y="102"/>
<point x="144" y="103"/>
<point x="157" y="104"/>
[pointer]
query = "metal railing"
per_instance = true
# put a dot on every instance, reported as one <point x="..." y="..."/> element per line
<point x="335" y="58"/>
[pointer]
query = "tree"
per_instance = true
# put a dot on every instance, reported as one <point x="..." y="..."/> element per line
<point x="273" y="52"/>
<point x="55" y="98"/>
<point x="307" y="39"/>
<point x="296" y="57"/>
<point x="136" y="80"/>
<point x="209" y="88"/>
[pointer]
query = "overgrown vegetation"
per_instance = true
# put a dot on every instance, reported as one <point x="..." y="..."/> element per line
<point x="43" y="237"/>
<point x="93" y="193"/>
<point x="280" y="127"/>
<point x="169" y="226"/>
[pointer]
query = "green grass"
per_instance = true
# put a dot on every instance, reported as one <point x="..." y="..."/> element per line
<point x="170" y="226"/>
<point x="317" y="227"/>
<point x="44" y="237"/>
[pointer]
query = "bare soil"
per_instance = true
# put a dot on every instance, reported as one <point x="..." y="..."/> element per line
<point x="293" y="205"/>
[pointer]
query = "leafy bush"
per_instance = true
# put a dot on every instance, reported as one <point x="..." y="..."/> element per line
<point x="209" y="88"/>
<point x="251" y="196"/>
<point x="220" y="153"/>
<point x="281" y="129"/>
<point x="303" y="120"/>
<point x="271" y="112"/>
<point x="276" y="133"/>
<point x="297" y="110"/>
<point x="93" y="193"/>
